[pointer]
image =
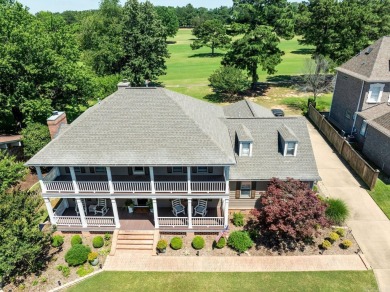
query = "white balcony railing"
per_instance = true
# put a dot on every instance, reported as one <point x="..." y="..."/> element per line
<point x="100" y="221"/>
<point x="93" y="186"/>
<point x="208" y="187"/>
<point x="171" y="187"/>
<point x="207" y="221"/>
<point x="131" y="186"/>
<point x="173" y="221"/>
<point x="59" y="186"/>
<point x="67" y="220"/>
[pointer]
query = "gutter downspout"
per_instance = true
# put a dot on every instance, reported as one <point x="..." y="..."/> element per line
<point x="357" y="107"/>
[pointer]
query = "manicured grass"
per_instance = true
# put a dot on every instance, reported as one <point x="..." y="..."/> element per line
<point x="291" y="281"/>
<point x="381" y="194"/>
<point x="188" y="70"/>
<point x="323" y="102"/>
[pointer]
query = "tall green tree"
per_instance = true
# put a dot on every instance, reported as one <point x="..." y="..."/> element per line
<point x="169" y="19"/>
<point x="23" y="247"/>
<point x="35" y="137"/>
<point x="212" y="34"/>
<point x="11" y="171"/>
<point x="256" y="49"/>
<point x="145" y="46"/>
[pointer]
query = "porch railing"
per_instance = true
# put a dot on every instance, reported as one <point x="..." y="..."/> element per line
<point x="207" y="221"/>
<point x="100" y="221"/>
<point x="208" y="187"/>
<point x="173" y="221"/>
<point x="59" y="186"/>
<point x="93" y="186"/>
<point x="67" y="220"/>
<point x="130" y="186"/>
<point x="171" y="187"/>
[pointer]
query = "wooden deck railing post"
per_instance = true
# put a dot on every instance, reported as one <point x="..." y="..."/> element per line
<point x="189" y="210"/>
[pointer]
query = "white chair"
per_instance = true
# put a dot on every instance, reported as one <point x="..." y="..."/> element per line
<point x="101" y="207"/>
<point x="201" y="208"/>
<point x="177" y="207"/>
<point x="76" y="208"/>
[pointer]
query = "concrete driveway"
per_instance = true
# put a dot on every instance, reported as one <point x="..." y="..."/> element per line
<point x="369" y="224"/>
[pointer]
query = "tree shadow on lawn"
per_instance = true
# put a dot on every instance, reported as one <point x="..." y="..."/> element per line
<point x="171" y="42"/>
<point x="286" y="80"/>
<point x="303" y="51"/>
<point x="206" y="55"/>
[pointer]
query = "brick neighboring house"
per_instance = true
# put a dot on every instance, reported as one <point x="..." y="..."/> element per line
<point x="154" y="146"/>
<point x="361" y="101"/>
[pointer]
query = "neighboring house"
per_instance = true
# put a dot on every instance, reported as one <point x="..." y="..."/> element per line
<point x="361" y="100"/>
<point x="12" y="145"/>
<point x="153" y="146"/>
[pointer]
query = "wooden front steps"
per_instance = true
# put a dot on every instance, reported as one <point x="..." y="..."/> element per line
<point x="134" y="240"/>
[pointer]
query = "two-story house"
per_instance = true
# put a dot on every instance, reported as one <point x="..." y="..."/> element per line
<point x="160" y="148"/>
<point x="360" y="105"/>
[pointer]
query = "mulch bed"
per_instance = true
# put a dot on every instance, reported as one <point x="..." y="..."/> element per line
<point x="49" y="277"/>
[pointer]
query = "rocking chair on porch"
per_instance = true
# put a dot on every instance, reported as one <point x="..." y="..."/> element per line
<point x="177" y="207"/>
<point x="76" y="208"/>
<point x="201" y="208"/>
<point x="101" y="207"/>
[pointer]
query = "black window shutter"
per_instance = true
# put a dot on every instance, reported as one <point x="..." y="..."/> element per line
<point x="194" y="169"/>
<point x="67" y="170"/>
<point x="253" y="190"/>
<point x="184" y="169"/>
<point x="82" y="169"/>
<point x="92" y="169"/>
<point x="130" y="170"/>
<point x="210" y="169"/>
<point x="147" y="171"/>
<point x="238" y="189"/>
<point x="169" y="169"/>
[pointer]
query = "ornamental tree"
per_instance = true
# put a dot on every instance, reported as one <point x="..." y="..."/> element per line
<point x="290" y="213"/>
<point x="229" y="80"/>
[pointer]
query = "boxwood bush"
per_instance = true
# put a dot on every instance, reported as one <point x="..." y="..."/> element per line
<point x="57" y="241"/>
<point x="198" y="242"/>
<point x="326" y="244"/>
<point x="337" y="211"/>
<point x="221" y="243"/>
<point x="240" y="241"/>
<point x="176" y="243"/>
<point x="238" y="219"/>
<point x="98" y="242"/>
<point x="77" y="255"/>
<point x="76" y="239"/>
<point x="333" y="236"/>
<point x="346" y="243"/>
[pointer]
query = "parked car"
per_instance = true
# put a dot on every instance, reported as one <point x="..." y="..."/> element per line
<point x="278" y="112"/>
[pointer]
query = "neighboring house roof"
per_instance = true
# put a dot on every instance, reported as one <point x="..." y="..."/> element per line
<point x="246" y="109"/>
<point x="378" y="117"/>
<point x="142" y="126"/>
<point x="371" y="64"/>
<point x="6" y="139"/>
<point x="267" y="160"/>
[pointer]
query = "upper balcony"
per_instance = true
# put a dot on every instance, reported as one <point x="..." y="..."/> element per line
<point x="136" y="180"/>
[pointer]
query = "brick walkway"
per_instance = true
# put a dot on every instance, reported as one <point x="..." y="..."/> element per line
<point x="128" y="261"/>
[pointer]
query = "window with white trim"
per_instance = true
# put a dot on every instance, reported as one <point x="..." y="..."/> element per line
<point x="245" y="191"/>
<point x="202" y="169"/>
<point x="138" y="170"/>
<point x="363" y="129"/>
<point x="290" y="149"/>
<point x="375" y="93"/>
<point x="245" y="149"/>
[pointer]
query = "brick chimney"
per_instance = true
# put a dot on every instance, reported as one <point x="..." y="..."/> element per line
<point x="55" y="121"/>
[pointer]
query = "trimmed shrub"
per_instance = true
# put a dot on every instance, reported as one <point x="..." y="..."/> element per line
<point x="77" y="255"/>
<point x="346" y="243"/>
<point x="340" y="231"/>
<point x="162" y="244"/>
<point x="240" y="241"/>
<point x="76" y="239"/>
<point x="57" y="241"/>
<point x="176" y="243"/>
<point x="92" y="256"/>
<point x="65" y="270"/>
<point x="97" y="242"/>
<point x="238" y="219"/>
<point x="326" y="244"/>
<point x="198" y="242"/>
<point x="333" y="236"/>
<point x="337" y="211"/>
<point x="221" y="243"/>
<point x="107" y="236"/>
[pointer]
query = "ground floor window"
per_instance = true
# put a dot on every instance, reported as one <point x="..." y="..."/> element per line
<point x="245" y="191"/>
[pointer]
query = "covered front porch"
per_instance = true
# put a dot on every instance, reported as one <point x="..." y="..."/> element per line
<point x="66" y="216"/>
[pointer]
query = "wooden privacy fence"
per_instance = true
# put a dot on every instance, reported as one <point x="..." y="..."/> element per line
<point x="358" y="164"/>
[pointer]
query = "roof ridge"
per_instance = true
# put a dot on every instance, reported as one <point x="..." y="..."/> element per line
<point x="250" y="107"/>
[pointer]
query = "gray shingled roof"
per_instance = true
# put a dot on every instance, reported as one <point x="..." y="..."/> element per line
<point x="287" y="134"/>
<point x="139" y="126"/>
<point x="378" y="117"/>
<point x="246" y="109"/>
<point x="371" y="64"/>
<point x="243" y="134"/>
<point x="267" y="161"/>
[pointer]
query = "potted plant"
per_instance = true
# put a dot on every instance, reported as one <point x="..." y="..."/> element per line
<point x="162" y="245"/>
<point x="150" y="205"/>
<point x="130" y="205"/>
<point x="93" y="258"/>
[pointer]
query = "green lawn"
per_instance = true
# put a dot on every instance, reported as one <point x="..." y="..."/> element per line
<point x="291" y="281"/>
<point x="189" y="70"/>
<point x="381" y="194"/>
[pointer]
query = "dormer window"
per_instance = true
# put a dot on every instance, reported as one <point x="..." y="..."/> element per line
<point x="375" y="93"/>
<point x="244" y="140"/>
<point x="290" y="148"/>
<point x="288" y="141"/>
<point x="245" y="149"/>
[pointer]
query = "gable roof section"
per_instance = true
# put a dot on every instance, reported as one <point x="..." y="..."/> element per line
<point x="378" y="117"/>
<point x="142" y="126"/>
<point x="371" y="64"/>
<point x="246" y="109"/>
<point x="243" y="134"/>
<point x="287" y="134"/>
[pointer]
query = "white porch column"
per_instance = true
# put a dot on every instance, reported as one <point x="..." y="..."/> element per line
<point x="226" y="213"/>
<point x="189" y="210"/>
<point x="152" y="187"/>
<point x="109" y="177"/>
<point x="82" y="213"/>
<point x="116" y="215"/>
<point x="155" y="213"/>
<point x="226" y="173"/>
<point x="40" y="177"/>
<point x="74" y="181"/>
<point x="49" y="210"/>
<point x="189" y="179"/>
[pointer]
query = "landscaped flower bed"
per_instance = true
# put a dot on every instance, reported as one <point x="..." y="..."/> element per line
<point x="58" y="270"/>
